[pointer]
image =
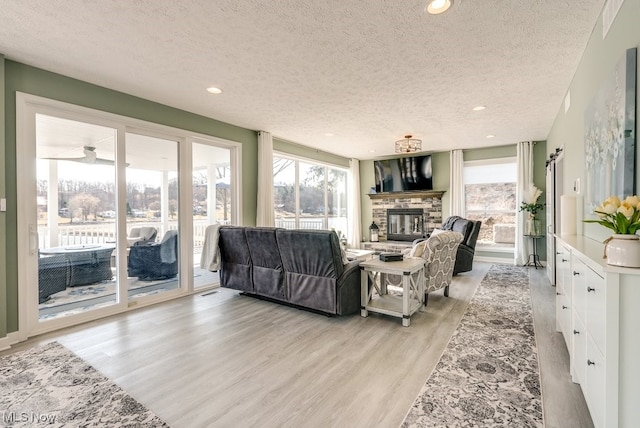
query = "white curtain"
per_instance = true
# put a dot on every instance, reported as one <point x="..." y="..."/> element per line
<point x="456" y="182"/>
<point x="265" y="215"/>
<point x="525" y="181"/>
<point x="353" y="189"/>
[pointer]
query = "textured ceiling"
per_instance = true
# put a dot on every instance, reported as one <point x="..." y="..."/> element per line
<point x="367" y="72"/>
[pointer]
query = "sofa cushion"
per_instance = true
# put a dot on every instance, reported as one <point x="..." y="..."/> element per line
<point x="235" y="268"/>
<point x="312" y="263"/>
<point x="268" y="273"/>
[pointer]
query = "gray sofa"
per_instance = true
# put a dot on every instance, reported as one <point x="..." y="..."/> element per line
<point x="299" y="267"/>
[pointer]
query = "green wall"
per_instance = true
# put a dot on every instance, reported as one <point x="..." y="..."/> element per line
<point x="597" y="63"/>
<point x="288" y="147"/>
<point x="23" y="78"/>
<point x="3" y="216"/>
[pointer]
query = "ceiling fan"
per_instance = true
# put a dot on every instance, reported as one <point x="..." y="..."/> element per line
<point x="90" y="157"/>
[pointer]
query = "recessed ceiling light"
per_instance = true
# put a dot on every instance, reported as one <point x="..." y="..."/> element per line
<point x="328" y="134"/>
<point x="479" y="108"/>
<point x="490" y="136"/>
<point x="372" y="151"/>
<point x="214" y="90"/>
<point x="436" y="7"/>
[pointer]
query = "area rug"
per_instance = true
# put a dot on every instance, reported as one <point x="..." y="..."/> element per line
<point x="488" y="374"/>
<point x="51" y="386"/>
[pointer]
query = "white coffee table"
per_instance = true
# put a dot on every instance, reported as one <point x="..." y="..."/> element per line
<point x="412" y="271"/>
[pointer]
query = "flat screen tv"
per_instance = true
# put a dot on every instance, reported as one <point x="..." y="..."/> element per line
<point x="403" y="174"/>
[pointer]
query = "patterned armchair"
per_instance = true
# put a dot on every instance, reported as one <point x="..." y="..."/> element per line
<point x="439" y="253"/>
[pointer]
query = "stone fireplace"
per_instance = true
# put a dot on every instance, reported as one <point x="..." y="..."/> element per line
<point x="405" y="224"/>
<point x="426" y="206"/>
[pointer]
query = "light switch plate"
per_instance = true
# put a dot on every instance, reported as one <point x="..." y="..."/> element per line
<point x="3" y="204"/>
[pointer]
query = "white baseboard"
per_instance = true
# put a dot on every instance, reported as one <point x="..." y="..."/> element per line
<point x="500" y="260"/>
<point x="8" y="340"/>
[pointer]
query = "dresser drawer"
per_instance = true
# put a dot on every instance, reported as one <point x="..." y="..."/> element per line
<point x="594" y="385"/>
<point x="596" y="308"/>
<point x="579" y="276"/>
<point x="579" y="350"/>
<point x="563" y="312"/>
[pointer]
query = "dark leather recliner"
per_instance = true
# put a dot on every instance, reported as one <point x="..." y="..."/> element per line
<point x="467" y="248"/>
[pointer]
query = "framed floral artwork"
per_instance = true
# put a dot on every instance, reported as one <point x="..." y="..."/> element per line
<point x="609" y="138"/>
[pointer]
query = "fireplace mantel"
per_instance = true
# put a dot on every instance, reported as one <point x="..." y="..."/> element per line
<point x="409" y="194"/>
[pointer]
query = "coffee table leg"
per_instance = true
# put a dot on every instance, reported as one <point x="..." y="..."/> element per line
<point x="405" y="300"/>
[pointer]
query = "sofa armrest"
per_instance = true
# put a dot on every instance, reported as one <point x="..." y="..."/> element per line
<point x="348" y="289"/>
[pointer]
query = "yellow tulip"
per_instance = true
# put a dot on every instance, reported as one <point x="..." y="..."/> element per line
<point x="633" y="200"/>
<point x="626" y="210"/>
<point x="600" y="211"/>
<point x="612" y="200"/>
<point x="609" y="208"/>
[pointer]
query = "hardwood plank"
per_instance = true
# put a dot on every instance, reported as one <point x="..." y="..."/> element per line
<point x="227" y="360"/>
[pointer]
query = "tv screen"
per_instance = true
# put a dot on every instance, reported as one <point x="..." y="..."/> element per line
<point x="402" y="174"/>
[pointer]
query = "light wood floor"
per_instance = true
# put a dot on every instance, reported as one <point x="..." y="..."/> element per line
<point x="226" y="360"/>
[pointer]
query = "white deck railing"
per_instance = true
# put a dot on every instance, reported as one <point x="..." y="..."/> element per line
<point x="101" y="233"/>
<point x="83" y="234"/>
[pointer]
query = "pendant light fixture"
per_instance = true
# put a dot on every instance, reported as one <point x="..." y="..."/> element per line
<point x="408" y="145"/>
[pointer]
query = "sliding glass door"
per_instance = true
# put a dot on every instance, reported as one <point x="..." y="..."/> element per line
<point x="75" y="202"/>
<point x="152" y="215"/>
<point x="212" y="193"/>
<point x="112" y="211"/>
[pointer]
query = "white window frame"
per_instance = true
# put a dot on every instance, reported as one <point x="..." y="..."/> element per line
<point x="297" y="160"/>
<point x="485" y="162"/>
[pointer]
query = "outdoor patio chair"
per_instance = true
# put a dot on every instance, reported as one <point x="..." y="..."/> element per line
<point x="154" y="261"/>
<point x="141" y="235"/>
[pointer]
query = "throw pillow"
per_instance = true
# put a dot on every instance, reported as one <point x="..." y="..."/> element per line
<point x="435" y="232"/>
<point x="418" y="249"/>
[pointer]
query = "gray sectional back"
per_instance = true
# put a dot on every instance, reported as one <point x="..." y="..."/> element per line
<point x="298" y="266"/>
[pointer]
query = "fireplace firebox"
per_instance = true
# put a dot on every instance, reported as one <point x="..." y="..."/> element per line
<point x="405" y="224"/>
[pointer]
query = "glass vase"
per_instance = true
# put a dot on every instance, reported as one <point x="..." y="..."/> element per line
<point x="533" y="227"/>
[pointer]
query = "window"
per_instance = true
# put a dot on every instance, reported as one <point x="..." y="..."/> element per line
<point x="309" y="195"/>
<point x="490" y="196"/>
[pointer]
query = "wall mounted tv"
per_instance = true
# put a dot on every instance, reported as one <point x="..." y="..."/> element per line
<point x="403" y="174"/>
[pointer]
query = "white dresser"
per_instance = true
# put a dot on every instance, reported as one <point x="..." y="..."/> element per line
<point x="598" y="313"/>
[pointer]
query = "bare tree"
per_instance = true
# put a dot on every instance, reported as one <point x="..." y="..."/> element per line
<point x="84" y="204"/>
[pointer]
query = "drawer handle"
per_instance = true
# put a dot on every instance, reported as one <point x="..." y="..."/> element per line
<point x="565" y="260"/>
<point x="557" y="293"/>
<point x="565" y="307"/>
<point x="590" y="363"/>
<point x="576" y="332"/>
<point x="576" y="273"/>
<point x="590" y="289"/>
